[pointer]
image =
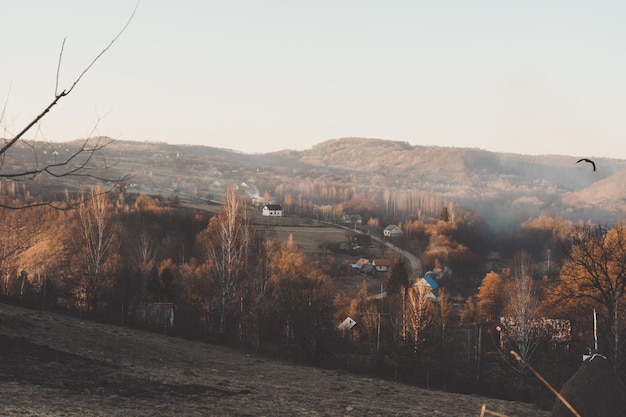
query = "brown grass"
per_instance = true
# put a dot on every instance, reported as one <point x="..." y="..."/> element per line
<point x="309" y="238"/>
<point x="55" y="365"/>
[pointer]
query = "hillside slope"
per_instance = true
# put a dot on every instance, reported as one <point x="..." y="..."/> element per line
<point x="609" y="192"/>
<point x="55" y="365"/>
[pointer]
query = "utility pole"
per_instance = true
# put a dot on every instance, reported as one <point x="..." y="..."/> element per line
<point x="595" y="330"/>
<point x="378" y="337"/>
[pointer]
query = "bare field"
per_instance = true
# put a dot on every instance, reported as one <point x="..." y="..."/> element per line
<point x="53" y="365"/>
<point x="310" y="238"/>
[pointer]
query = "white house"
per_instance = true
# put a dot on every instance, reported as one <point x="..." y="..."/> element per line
<point x="392" y="231"/>
<point x="272" y="210"/>
<point x="355" y="219"/>
<point x="382" y="265"/>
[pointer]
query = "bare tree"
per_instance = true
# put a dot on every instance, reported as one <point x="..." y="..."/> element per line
<point x="256" y="288"/>
<point x="420" y="313"/>
<point x="522" y="305"/>
<point x="95" y="237"/>
<point x="80" y="161"/>
<point x="144" y="262"/>
<point x="227" y="242"/>
<point x="445" y="312"/>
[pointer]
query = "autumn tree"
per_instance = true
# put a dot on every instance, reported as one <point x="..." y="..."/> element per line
<point x="368" y="317"/>
<point x="541" y="237"/>
<point x="302" y="301"/>
<point x="373" y="223"/>
<point x="594" y="270"/>
<point x="19" y="231"/>
<point x="44" y="257"/>
<point x="490" y="298"/>
<point x="168" y="285"/>
<point x="444" y="216"/>
<point x="468" y="315"/>
<point x="194" y="307"/>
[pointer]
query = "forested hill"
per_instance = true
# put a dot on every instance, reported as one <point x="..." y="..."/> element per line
<point x="501" y="187"/>
<point x="494" y="184"/>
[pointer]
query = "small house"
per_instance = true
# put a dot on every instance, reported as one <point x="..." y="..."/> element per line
<point x="382" y="265"/>
<point x="355" y="219"/>
<point x="272" y="210"/>
<point x="347" y="324"/>
<point x="360" y="263"/>
<point x="156" y="314"/>
<point x="392" y="231"/>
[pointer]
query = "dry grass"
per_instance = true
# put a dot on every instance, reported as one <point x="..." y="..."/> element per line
<point x="54" y="365"/>
<point x="309" y="238"/>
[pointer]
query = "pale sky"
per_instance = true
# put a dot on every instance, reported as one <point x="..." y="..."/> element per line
<point x="531" y="77"/>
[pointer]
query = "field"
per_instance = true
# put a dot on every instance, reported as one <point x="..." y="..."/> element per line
<point x="309" y="238"/>
<point x="54" y="365"/>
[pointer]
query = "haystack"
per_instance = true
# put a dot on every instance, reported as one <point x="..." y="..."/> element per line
<point x="595" y="390"/>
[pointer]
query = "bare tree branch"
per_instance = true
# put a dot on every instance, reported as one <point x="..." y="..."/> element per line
<point x="56" y="84"/>
<point x="59" y="95"/>
<point x="80" y="162"/>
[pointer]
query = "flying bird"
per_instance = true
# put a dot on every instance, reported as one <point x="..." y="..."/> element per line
<point x="593" y="164"/>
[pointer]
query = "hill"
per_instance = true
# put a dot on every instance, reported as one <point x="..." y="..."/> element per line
<point x="503" y="188"/>
<point x="56" y="365"/>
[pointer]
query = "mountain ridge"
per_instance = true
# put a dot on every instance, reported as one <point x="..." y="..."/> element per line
<point x="504" y="188"/>
<point x="544" y="183"/>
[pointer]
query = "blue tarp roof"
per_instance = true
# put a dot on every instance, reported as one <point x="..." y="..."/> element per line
<point x="431" y="281"/>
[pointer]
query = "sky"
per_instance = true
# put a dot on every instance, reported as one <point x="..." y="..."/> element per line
<point x="529" y="77"/>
